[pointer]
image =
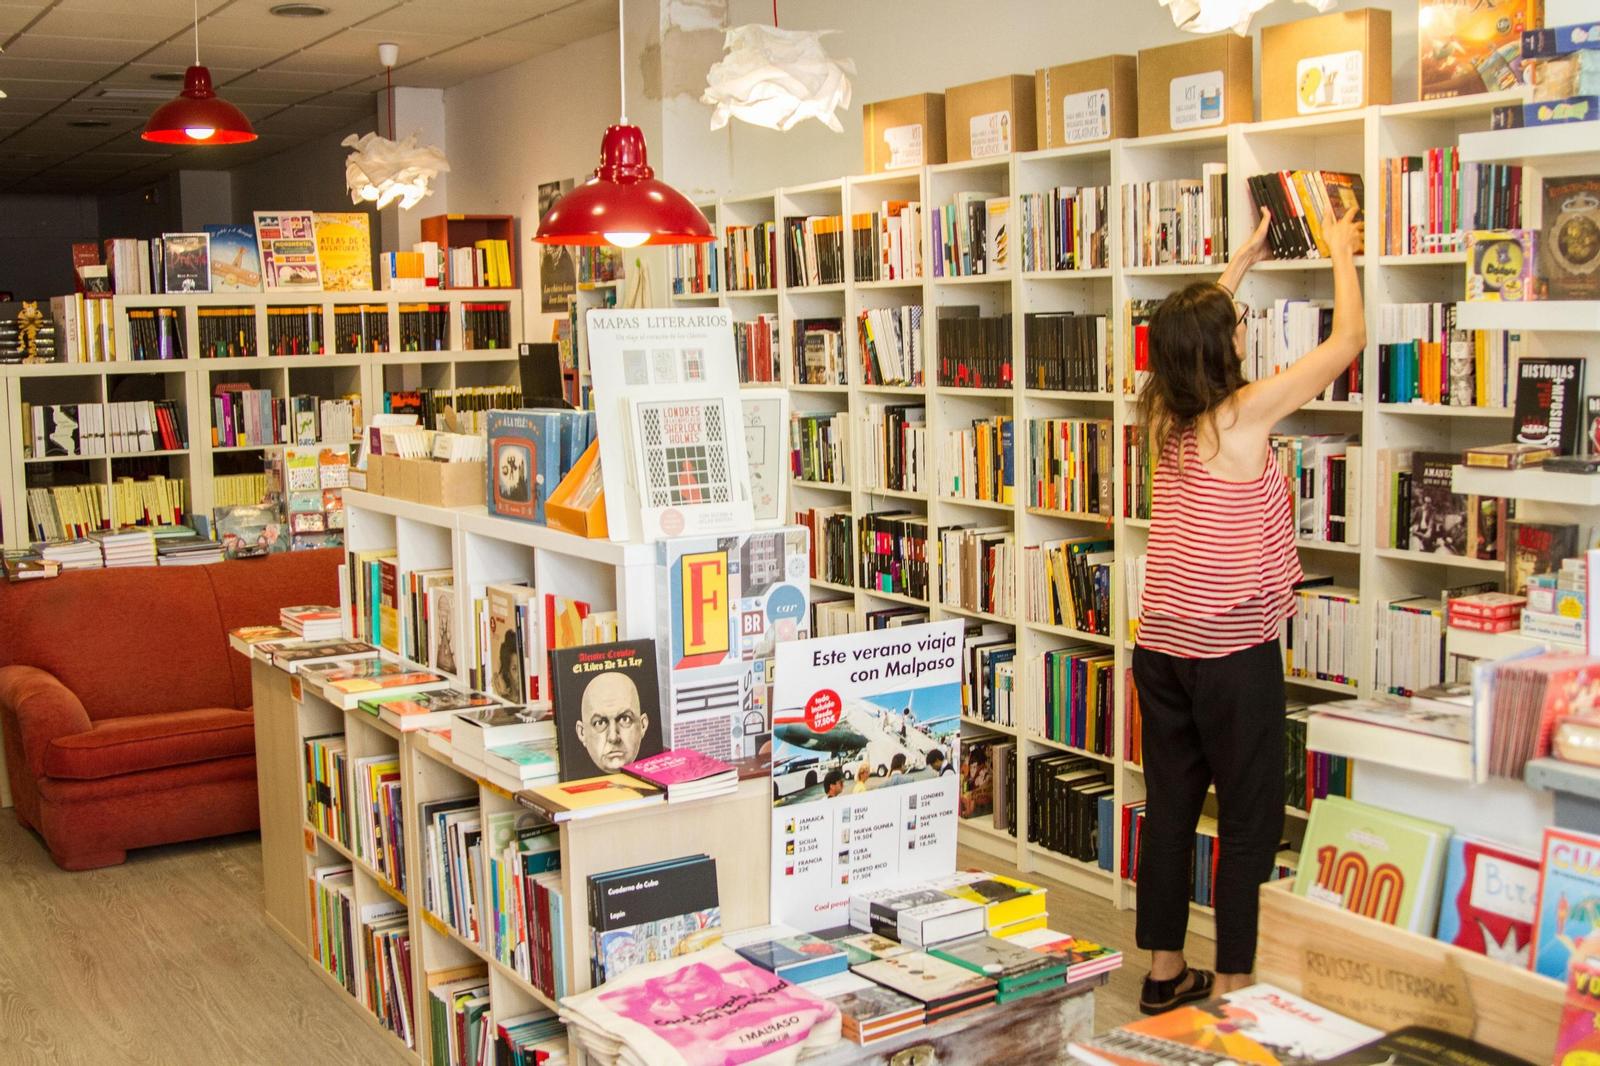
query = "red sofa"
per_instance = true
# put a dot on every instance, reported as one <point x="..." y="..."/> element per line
<point x="126" y="716"/>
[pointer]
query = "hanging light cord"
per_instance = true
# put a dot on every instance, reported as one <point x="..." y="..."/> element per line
<point x="197" y="32"/>
<point x="388" y="81"/>
<point x="622" y="61"/>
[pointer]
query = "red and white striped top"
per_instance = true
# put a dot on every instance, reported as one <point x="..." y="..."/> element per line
<point x="1222" y="566"/>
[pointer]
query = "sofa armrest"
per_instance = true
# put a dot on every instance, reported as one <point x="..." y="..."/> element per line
<point x="36" y="709"/>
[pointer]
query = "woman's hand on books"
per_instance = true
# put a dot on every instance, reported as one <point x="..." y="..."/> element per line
<point x="1256" y="249"/>
<point x="1346" y="237"/>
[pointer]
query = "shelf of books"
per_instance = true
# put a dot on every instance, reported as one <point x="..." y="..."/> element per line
<point x="396" y="853"/>
<point x="966" y="443"/>
<point x="178" y="405"/>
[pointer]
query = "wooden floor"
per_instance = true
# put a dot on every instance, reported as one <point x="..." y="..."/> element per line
<point x="168" y="960"/>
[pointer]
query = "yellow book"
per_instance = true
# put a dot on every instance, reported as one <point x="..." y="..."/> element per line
<point x="344" y="251"/>
<point x="1026" y="925"/>
<point x="1016" y="906"/>
<point x="502" y="252"/>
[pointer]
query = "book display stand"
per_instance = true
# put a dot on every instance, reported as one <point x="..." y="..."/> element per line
<point x="338" y="371"/>
<point x="1357" y="142"/>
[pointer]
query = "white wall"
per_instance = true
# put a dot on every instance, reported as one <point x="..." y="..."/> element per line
<point x="37" y="233"/>
<point x="909" y="46"/>
<point x="536" y="122"/>
<point x="309" y="176"/>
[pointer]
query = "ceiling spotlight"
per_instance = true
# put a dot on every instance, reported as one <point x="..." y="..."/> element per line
<point x="298" y="11"/>
<point x="167" y="75"/>
<point x="89" y="123"/>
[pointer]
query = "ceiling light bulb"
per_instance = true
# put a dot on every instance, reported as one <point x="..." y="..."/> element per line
<point x="198" y="133"/>
<point x="2" y="94"/>
<point x="627" y="240"/>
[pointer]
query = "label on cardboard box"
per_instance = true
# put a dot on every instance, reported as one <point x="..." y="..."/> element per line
<point x="904" y="144"/>
<point x="1195" y="101"/>
<point x="1328" y="83"/>
<point x="1086" y="116"/>
<point x="990" y="134"/>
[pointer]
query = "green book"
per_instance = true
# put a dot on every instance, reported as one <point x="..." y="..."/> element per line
<point x="1010" y="966"/>
<point x="1373" y="861"/>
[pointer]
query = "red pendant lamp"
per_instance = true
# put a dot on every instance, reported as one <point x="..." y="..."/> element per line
<point x="198" y="116"/>
<point x="622" y="203"/>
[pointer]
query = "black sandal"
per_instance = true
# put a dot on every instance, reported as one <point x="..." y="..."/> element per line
<point x="1160" y="996"/>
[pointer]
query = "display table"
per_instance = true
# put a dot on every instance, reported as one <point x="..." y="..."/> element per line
<point x="1036" y="1030"/>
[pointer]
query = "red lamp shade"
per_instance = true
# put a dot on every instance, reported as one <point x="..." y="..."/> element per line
<point x="198" y="116"/>
<point x="622" y="203"/>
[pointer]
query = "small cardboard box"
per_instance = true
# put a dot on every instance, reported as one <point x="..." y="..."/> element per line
<point x="1202" y="84"/>
<point x="376" y="468"/>
<point x="989" y="118"/>
<point x="1334" y="62"/>
<point x="902" y="133"/>
<point x="449" y="484"/>
<point x="1081" y="103"/>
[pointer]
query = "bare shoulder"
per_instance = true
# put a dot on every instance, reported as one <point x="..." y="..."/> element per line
<point x="1237" y="449"/>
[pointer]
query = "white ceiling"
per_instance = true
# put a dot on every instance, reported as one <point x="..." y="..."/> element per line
<point x="295" y="78"/>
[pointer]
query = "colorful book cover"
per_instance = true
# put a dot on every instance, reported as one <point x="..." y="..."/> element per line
<point x="288" y="244"/>
<point x="1569" y="899"/>
<point x="517" y="459"/>
<point x="1501" y="265"/>
<point x="1536" y="548"/>
<point x="186" y="262"/>
<point x="1578" y="1035"/>
<point x="1374" y="862"/>
<point x="1489" y="899"/>
<point x="677" y="766"/>
<point x="1569" y="241"/>
<point x="922" y="977"/>
<point x="591" y="794"/>
<point x="235" y="259"/>
<point x="344" y="251"/>
<point x="1468" y="48"/>
<point x="375" y="674"/>
<point x="1261" y="1024"/>
<point x="606" y="704"/>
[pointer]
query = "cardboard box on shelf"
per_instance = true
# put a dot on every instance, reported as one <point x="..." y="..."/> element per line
<point x="1081" y="103"/>
<point x="989" y="118"/>
<point x="1201" y="84"/>
<point x="1334" y="62"/>
<point x="904" y="132"/>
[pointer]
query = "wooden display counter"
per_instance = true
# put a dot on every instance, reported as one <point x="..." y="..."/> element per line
<point x="1388" y="977"/>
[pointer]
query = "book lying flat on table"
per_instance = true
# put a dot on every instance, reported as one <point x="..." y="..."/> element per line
<point x="421" y="710"/>
<point x="1259" y="1024"/>
<point x="794" y="956"/>
<point x="346" y="688"/>
<point x="943" y="988"/>
<point x="1085" y="958"/>
<point x="591" y="796"/>
<point x="290" y="655"/>
<point x="244" y="639"/>
<point x="684" y="774"/>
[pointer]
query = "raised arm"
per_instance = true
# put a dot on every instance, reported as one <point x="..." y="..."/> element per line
<point x="1279" y="396"/>
<point x="1254" y="251"/>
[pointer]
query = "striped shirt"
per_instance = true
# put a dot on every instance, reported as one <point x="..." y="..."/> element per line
<point x="1221" y="567"/>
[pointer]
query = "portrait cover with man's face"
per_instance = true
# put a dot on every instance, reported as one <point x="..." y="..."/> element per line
<point x="607" y="708"/>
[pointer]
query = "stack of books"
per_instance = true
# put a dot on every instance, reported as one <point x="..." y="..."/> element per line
<point x="685" y="774"/>
<point x="1017" y="972"/>
<point x="311" y="622"/>
<point x="519" y="737"/>
<point x="657" y="910"/>
<point x="345" y="686"/>
<point x="796" y="957"/>
<point x="657" y="1010"/>
<point x="869" y="1012"/>
<point x="131" y="547"/>
<point x="73" y="554"/>
<point x="589" y="797"/>
<point x="944" y="989"/>
<point x="192" y="550"/>
<point x="1085" y="958"/>
<point x="408" y="711"/>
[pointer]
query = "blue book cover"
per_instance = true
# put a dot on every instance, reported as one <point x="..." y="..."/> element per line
<point x="1108" y="819"/>
<point x="516" y="457"/>
<point x="1569" y="899"/>
<point x="235" y="259"/>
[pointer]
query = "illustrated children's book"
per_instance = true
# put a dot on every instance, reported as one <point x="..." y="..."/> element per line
<point x="1487" y="904"/>
<point x="1569" y="899"/>
<point x="235" y="259"/>
<point x="1373" y="861"/>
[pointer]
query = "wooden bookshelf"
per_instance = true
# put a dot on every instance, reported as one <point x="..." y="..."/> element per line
<point x="191" y="381"/>
<point x="481" y="549"/>
<point x="464" y="231"/>
<point x="1355" y="141"/>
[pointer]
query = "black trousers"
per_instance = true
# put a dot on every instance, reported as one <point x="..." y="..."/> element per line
<point x="1205" y="721"/>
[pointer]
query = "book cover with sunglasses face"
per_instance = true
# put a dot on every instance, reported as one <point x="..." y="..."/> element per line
<point x="607" y="706"/>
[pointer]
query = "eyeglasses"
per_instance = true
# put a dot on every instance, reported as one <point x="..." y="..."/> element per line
<point x="1241" y="309"/>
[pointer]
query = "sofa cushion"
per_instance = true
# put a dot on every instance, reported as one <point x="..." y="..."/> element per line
<point x="126" y="641"/>
<point x="136" y="743"/>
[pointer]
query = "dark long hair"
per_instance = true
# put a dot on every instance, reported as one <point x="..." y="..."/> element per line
<point x="1194" y="367"/>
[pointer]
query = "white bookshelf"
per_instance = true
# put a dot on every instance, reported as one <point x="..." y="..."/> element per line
<point x="192" y="382"/>
<point x="481" y="548"/>
<point x="1355" y="141"/>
